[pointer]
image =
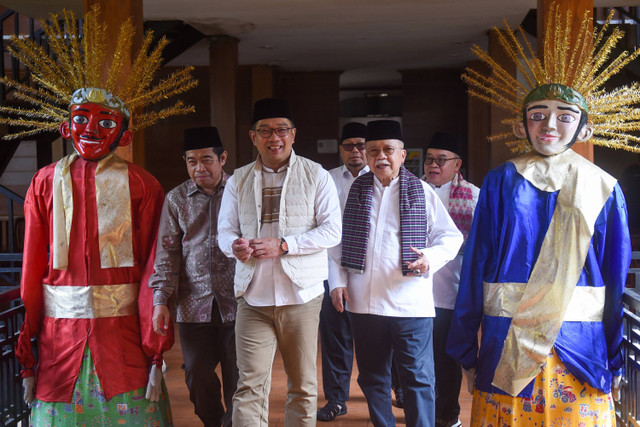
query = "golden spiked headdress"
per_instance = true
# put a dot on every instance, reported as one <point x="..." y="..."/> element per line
<point x="73" y="73"/>
<point x="573" y="71"/>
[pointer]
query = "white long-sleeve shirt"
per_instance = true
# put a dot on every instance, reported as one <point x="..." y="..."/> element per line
<point x="343" y="179"/>
<point x="270" y="286"/>
<point x="382" y="289"/>
<point x="447" y="279"/>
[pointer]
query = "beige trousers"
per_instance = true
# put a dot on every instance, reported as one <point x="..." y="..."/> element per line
<point x="293" y="329"/>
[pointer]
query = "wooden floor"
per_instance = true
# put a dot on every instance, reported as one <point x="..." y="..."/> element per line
<point x="357" y="415"/>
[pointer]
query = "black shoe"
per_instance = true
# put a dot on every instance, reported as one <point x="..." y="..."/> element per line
<point x="331" y="410"/>
<point x="451" y="423"/>
<point x="399" y="397"/>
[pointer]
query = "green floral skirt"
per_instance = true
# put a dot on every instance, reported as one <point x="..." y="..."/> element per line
<point x="89" y="406"/>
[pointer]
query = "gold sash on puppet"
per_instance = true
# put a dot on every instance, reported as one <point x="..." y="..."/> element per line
<point x="502" y="300"/>
<point x="113" y="207"/>
<point x="90" y="302"/>
<point x="583" y="191"/>
<point x="62" y="212"/>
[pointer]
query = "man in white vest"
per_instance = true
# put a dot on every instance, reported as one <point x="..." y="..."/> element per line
<point x="278" y="216"/>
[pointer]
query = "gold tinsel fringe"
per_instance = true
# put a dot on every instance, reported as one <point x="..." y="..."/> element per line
<point x="583" y="64"/>
<point x="79" y="61"/>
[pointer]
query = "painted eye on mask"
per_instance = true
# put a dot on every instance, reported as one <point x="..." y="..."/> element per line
<point x="107" y="124"/>
<point x="566" y="118"/>
<point x="537" y="117"/>
<point x="80" y="119"/>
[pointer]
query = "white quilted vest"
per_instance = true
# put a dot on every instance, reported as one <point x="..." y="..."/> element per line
<point x="297" y="215"/>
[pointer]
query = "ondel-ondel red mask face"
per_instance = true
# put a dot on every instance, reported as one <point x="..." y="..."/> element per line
<point x="95" y="130"/>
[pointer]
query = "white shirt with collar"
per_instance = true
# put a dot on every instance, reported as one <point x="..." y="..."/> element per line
<point x="343" y="179"/>
<point x="270" y="286"/>
<point x="447" y="280"/>
<point x="382" y="289"/>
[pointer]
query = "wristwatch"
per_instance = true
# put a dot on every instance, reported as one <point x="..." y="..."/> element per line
<point x="284" y="246"/>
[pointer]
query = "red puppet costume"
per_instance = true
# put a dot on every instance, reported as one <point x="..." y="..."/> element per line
<point x="116" y="341"/>
<point x="91" y="223"/>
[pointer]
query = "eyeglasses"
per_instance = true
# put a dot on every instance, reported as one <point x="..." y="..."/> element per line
<point x="440" y="161"/>
<point x="266" y="133"/>
<point x="349" y="146"/>
<point x="387" y="150"/>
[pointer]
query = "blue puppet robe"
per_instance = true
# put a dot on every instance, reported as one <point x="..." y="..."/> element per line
<point x="510" y="223"/>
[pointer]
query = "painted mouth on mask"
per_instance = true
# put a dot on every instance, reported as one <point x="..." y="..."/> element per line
<point x="90" y="141"/>
<point x="547" y="138"/>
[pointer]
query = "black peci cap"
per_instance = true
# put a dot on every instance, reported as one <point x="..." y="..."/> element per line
<point x="383" y="129"/>
<point x="269" y="108"/>
<point x="202" y="137"/>
<point x="445" y="141"/>
<point x="353" y="130"/>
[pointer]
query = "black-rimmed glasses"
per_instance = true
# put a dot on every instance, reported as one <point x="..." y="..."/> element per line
<point x="349" y="146"/>
<point x="266" y="132"/>
<point x="440" y="161"/>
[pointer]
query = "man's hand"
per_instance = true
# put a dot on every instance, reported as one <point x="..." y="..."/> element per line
<point x="267" y="247"/>
<point x="419" y="266"/>
<point x="29" y="385"/>
<point x="161" y="318"/>
<point x="615" y="387"/>
<point x="470" y="375"/>
<point x="241" y="249"/>
<point x="338" y="296"/>
<point x="154" y="387"/>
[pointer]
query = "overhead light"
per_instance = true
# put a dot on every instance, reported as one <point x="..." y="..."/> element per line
<point x="267" y="47"/>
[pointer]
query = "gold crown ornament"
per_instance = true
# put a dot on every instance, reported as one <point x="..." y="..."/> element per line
<point x="572" y="71"/>
<point x="72" y="73"/>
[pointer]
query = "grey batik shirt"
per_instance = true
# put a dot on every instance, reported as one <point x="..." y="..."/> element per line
<point x="189" y="266"/>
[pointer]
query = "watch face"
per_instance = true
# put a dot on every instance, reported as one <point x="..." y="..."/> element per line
<point x="284" y="246"/>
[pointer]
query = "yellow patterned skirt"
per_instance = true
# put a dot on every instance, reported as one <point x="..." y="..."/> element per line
<point x="558" y="400"/>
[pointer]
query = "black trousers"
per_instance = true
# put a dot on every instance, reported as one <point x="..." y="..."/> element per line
<point x="336" y="345"/>
<point x="448" y="371"/>
<point x="204" y="346"/>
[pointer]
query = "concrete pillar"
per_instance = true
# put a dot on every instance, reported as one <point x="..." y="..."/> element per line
<point x="223" y="77"/>
<point x="479" y="126"/>
<point x="500" y="153"/>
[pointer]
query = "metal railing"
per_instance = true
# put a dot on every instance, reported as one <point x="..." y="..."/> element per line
<point x="13" y="410"/>
<point x="628" y="408"/>
<point x="12" y="238"/>
<point x="634" y="270"/>
<point x="32" y="33"/>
